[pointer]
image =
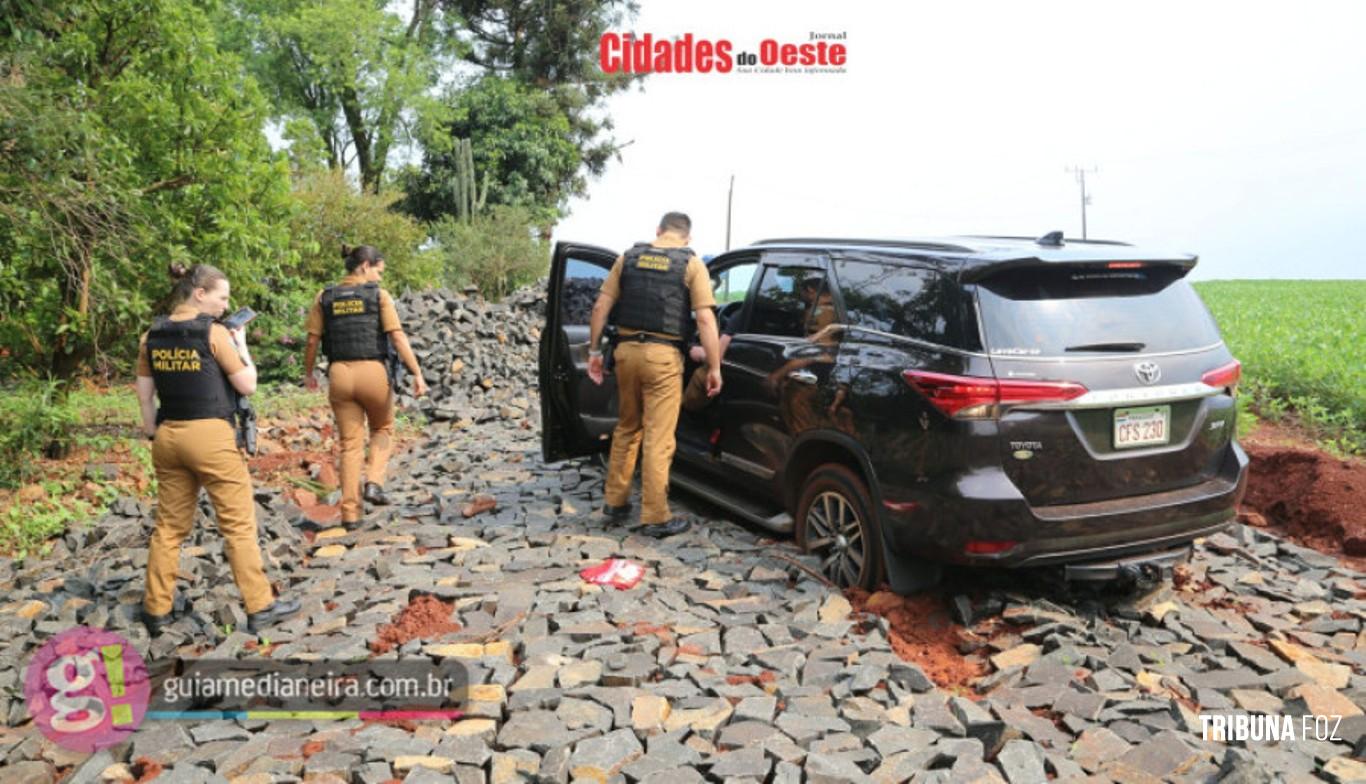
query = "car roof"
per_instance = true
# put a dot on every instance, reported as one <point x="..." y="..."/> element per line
<point x="975" y="256"/>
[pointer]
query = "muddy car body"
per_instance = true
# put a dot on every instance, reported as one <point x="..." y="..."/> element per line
<point x="978" y="400"/>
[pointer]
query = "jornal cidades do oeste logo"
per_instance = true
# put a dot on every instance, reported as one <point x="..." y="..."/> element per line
<point x="87" y="689"/>
<point x="820" y="52"/>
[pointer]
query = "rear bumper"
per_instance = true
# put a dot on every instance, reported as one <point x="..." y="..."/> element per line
<point x="985" y="506"/>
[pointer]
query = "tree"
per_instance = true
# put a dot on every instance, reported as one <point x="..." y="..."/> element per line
<point x="521" y="145"/>
<point x="531" y="114"/>
<point x="552" y="47"/>
<point x="131" y="140"/>
<point x="358" y="73"/>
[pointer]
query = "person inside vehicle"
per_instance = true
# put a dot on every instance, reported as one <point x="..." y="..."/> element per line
<point x="819" y="326"/>
<point x="695" y="396"/>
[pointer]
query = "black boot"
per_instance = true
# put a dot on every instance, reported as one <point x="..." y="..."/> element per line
<point x="375" y="494"/>
<point x="156" y="624"/>
<point x="617" y="514"/>
<point x="277" y="611"/>
<point x="675" y="526"/>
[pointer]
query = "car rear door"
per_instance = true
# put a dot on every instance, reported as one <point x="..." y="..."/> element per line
<point x="577" y="416"/>
<point x="1121" y="380"/>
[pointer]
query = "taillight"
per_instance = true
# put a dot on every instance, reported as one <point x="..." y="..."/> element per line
<point x="973" y="397"/>
<point x="1124" y="265"/>
<point x="1225" y="377"/>
<point x="988" y="547"/>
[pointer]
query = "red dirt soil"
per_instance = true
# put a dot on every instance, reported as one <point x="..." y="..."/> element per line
<point x="1310" y="496"/>
<point x="146" y="769"/>
<point x="922" y="632"/>
<point x="424" y="617"/>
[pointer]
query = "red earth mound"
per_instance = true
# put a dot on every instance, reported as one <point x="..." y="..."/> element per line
<point x="1310" y="496"/>
<point x="922" y="632"/>
<point x="424" y="617"/>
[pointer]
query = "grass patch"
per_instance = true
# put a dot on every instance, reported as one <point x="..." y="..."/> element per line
<point x="286" y="401"/>
<point x="1300" y="342"/>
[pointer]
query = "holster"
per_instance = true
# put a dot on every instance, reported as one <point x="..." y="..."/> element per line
<point x="393" y="365"/>
<point x="609" y="354"/>
<point x="244" y="422"/>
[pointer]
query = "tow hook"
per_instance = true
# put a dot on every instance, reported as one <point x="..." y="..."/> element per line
<point x="1143" y="576"/>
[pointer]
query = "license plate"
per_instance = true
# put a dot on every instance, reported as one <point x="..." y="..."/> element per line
<point x="1142" y="426"/>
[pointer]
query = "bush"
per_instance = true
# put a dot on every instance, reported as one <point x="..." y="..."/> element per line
<point x="35" y="419"/>
<point x="331" y="211"/>
<point x="497" y="251"/>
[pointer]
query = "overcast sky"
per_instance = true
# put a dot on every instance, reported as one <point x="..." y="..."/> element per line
<point x="1236" y="131"/>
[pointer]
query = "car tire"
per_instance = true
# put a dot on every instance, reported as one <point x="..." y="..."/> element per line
<point x="835" y="521"/>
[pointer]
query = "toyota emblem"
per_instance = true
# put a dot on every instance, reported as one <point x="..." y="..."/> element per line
<point x="1147" y="372"/>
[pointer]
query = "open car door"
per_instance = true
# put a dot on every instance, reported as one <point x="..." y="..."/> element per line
<point x="577" y="416"/>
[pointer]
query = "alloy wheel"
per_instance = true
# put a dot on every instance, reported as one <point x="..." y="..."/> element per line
<point x="834" y="532"/>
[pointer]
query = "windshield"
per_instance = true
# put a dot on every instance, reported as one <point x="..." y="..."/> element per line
<point x="1075" y="311"/>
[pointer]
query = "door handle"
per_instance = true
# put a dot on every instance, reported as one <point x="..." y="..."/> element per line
<point x="804" y="376"/>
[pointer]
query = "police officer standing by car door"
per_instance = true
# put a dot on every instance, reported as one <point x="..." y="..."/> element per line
<point x="196" y="368"/>
<point x="648" y="293"/>
<point x="355" y="321"/>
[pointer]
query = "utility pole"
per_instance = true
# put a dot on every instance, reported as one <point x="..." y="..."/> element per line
<point x="1085" y="199"/>
<point x="730" y="200"/>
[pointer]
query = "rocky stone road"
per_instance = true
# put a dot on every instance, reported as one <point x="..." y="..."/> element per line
<point x="728" y="663"/>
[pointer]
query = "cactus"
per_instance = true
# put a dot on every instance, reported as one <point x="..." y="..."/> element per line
<point x="470" y="196"/>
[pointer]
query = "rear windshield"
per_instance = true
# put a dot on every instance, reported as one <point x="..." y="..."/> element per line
<point x="1075" y="311"/>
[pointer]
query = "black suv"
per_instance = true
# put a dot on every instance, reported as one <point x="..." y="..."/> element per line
<point x="899" y="404"/>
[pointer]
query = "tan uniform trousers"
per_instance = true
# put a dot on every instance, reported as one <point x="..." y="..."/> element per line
<point x="360" y="395"/>
<point x="649" y="391"/>
<point x="188" y="455"/>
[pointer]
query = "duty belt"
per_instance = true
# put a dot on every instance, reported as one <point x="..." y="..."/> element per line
<point x="645" y="337"/>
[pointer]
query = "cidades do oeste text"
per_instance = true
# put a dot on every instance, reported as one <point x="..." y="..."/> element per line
<point x="626" y="53"/>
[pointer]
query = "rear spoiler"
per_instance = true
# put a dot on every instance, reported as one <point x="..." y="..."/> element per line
<point x="975" y="270"/>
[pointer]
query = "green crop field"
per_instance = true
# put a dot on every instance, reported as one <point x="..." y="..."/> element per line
<point x="1303" y="348"/>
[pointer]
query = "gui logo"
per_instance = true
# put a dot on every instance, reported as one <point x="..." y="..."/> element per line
<point x="87" y="689"/>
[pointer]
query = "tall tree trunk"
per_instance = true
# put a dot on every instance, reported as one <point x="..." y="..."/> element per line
<point x="72" y="347"/>
<point x="370" y="169"/>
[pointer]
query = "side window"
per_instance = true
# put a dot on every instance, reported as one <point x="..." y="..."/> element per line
<point x="582" y="280"/>
<point x="791" y="302"/>
<point x="732" y="283"/>
<point x="906" y="301"/>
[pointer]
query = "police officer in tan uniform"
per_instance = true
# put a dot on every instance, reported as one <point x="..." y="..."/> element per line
<point x="196" y="368"/>
<point x="648" y="293"/>
<point x="355" y="321"/>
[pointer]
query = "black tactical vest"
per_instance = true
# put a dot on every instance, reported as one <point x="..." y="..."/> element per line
<point x="351" y="325"/>
<point x="190" y="383"/>
<point x="654" y="296"/>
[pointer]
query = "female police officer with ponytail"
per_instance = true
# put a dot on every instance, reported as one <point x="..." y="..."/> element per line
<point x="355" y="321"/>
<point x="196" y="368"/>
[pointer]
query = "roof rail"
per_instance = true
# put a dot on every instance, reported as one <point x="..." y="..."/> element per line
<point x="943" y="247"/>
<point x="1069" y="240"/>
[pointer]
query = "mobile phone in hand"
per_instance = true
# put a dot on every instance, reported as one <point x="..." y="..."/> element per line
<point x="239" y="319"/>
